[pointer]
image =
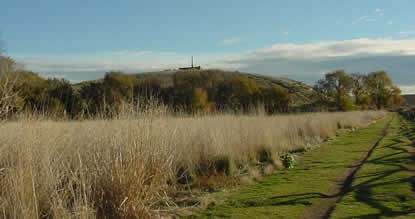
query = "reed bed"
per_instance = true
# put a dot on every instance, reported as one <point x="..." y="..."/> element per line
<point x="132" y="167"/>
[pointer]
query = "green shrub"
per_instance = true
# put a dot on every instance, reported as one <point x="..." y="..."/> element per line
<point x="288" y="161"/>
<point x="345" y="103"/>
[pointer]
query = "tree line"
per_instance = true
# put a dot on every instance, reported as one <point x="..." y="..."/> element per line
<point x="339" y="90"/>
<point x="187" y="92"/>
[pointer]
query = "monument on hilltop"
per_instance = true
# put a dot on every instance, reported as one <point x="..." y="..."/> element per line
<point x="192" y="67"/>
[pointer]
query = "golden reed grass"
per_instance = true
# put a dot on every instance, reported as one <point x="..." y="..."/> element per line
<point x="128" y="167"/>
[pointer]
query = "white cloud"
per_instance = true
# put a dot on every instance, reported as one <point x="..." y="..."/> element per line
<point x="365" y="18"/>
<point x="379" y="12"/>
<point x="151" y="59"/>
<point x="407" y="89"/>
<point x="230" y="41"/>
<point x="372" y="17"/>
<point x="305" y="62"/>
<point x="323" y="49"/>
<point x="48" y="65"/>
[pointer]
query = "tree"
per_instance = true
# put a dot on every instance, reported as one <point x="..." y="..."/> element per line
<point x="324" y="92"/>
<point x="223" y="97"/>
<point x="360" y="90"/>
<point x="93" y="96"/>
<point x="380" y="89"/>
<point x="185" y="82"/>
<point x="9" y="98"/>
<point x="123" y="84"/>
<point x="148" y="88"/>
<point x="200" y="101"/>
<point x="345" y="103"/>
<point x="33" y="89"/>
<point x="61" y="90"/>
<point x="334" y="89"/>
<point x="275" y="99"/>
<point x="118" y="90"/>
<point x="244" y="91"/>
<point x="397" y="99"/>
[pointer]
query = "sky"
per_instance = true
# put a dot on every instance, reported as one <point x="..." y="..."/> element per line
<point x="302" y="40"/>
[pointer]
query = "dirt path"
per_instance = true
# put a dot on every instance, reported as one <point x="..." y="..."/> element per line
<point x="324" y="208"/>
<point x="381" y="187"/>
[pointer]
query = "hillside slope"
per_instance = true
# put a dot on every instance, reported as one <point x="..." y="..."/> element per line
<point x="300" y="94"/>
<point x="409" y="99"/>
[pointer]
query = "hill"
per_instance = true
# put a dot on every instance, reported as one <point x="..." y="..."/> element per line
<point x="409" y="99"/>
<point x="300" y="94"/>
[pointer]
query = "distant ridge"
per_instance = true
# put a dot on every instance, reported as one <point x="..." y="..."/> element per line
<point x="409" y="99"/>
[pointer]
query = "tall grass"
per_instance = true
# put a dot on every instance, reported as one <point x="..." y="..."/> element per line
<point x="131" y="167"/>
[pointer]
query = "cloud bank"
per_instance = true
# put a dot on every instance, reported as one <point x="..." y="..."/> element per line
<point x="306" y="62"/>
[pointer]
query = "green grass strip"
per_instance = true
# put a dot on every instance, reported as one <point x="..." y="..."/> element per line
<point x="289" y="192"/>
<point x="383" y="186"/>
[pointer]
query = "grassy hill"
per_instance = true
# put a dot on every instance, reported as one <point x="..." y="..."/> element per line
<point x="299" y="93"/>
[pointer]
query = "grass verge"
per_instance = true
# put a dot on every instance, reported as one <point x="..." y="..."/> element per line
<point x="288" y="193"/>
<point x="384" y="186"/>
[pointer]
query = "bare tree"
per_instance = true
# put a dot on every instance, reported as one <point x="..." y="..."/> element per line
<point x="8" y="79"/>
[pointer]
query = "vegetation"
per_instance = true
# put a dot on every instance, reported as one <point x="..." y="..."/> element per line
<point x="372" y="91"/>
<point x="383" y="186"/>
<point x="335" y="88"/>
<point x="190" y="91"/>
<point x="135" y="166"/>
<point x="153" y="139"/>
<point x="290" y="192"/>
<point x="9" y="99"/>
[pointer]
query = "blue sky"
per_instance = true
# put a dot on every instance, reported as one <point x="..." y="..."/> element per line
<point x="302" y="40"/>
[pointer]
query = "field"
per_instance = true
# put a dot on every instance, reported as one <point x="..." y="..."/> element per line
<point x="140" y="166"/>
<point x="175" y="109"/>
<point x="362" y="174"/>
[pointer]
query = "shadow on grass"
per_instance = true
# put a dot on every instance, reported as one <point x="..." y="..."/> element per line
<point x="392" y="162"/>
<point x="393" y="165"/>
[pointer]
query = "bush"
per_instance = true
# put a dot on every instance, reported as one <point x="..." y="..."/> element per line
<point x="346" y="104"/>
<point x="222" y="165"/>
<point x="288" y="161"/>
<point x="264" y="156"/>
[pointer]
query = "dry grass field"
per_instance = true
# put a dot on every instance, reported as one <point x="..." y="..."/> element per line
<point x="132" y="167"/>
